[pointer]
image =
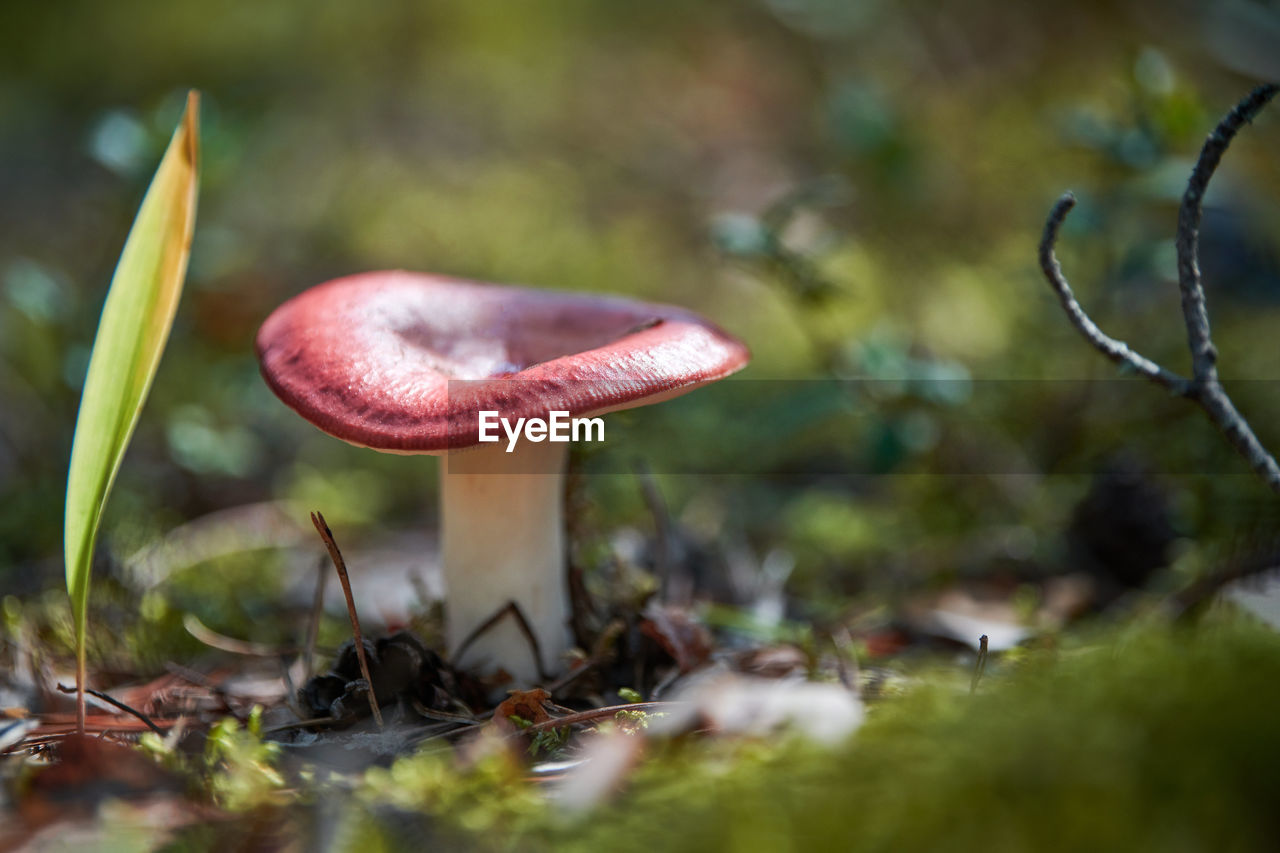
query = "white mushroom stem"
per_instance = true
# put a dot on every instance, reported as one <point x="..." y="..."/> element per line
<point x="502" y="525"/>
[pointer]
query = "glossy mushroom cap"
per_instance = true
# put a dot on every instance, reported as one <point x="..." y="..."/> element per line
<point x="376" y="359"/>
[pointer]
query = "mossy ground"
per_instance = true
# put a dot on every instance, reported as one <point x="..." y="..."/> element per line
<point x="1146" y="738"/>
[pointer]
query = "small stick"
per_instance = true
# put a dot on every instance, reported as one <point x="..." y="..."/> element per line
<point x="115" y="703"/>
<point x="313" y="626"/>
<point x="980" y="665"/>
<point x="445" y="716"/>
<point x="596" y="714"/>
<point x="338" y="563"/>
<point x="1203" y="353"/>
<point x="513" y="610"/>
<point x="435" y="731"/>
<point x="1117" y="351"/>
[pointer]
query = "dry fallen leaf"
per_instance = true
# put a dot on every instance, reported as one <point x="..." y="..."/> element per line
<point x="528" y="705"/>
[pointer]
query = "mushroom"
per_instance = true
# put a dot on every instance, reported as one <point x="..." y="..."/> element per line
<point x="405" y="363"/>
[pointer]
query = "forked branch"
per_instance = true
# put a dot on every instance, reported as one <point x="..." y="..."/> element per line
<point x="1203" y="387"/>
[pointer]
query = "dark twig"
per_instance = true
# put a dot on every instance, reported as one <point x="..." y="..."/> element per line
<point x="1204" y="388"/>
<point x="338" y="563"/>
<point x="1203" y="353"/>
<point x="596" y="714"/>
<point x="512" y="610"/>
<point x="445" y="716"/>
<point x="1118" y="351"/>
<point x="980" y="665"/>
<point x="116" y="703"/>
<point x="435" y="731"/>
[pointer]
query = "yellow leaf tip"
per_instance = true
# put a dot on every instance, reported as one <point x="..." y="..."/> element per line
<point x="191" y="125"/>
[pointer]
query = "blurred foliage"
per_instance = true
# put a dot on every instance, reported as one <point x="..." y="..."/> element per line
<point x="1147" y="740"/>
<point x="241" y="764"/>
<point x="856" y="189"/>
<point x="1146" y="737"/>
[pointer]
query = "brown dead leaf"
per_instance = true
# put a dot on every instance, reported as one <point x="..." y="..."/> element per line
<point x="528" y="705"/>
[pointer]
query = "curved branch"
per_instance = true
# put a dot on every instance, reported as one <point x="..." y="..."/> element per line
<point x="1118" y="351"/>
<point x="1203" y="354"/>
<point x="1213" y="398"/>
<point x="1204" y="388"/>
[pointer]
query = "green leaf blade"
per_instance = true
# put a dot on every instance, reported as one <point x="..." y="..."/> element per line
<point x="132" y="333"/>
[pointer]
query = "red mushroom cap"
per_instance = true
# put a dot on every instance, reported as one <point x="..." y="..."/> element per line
<point x="404" y="362"/>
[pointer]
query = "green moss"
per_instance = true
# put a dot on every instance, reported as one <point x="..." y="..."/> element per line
<point x="1150" y="739"/>
<point x="1157" y="740"/>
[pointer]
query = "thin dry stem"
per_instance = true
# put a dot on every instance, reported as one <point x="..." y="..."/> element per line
<point x="510" y="609"/>
<point x="1118" y="351"/>
<point x="596" y="714"/>
<point x="115" y="703"/>
<point x="1203" y="354"/>
<point x="979" y="665"/>
<point x="338" y="563"/>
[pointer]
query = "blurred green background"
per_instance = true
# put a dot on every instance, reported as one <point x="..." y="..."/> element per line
<point x="854" y="188"/>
